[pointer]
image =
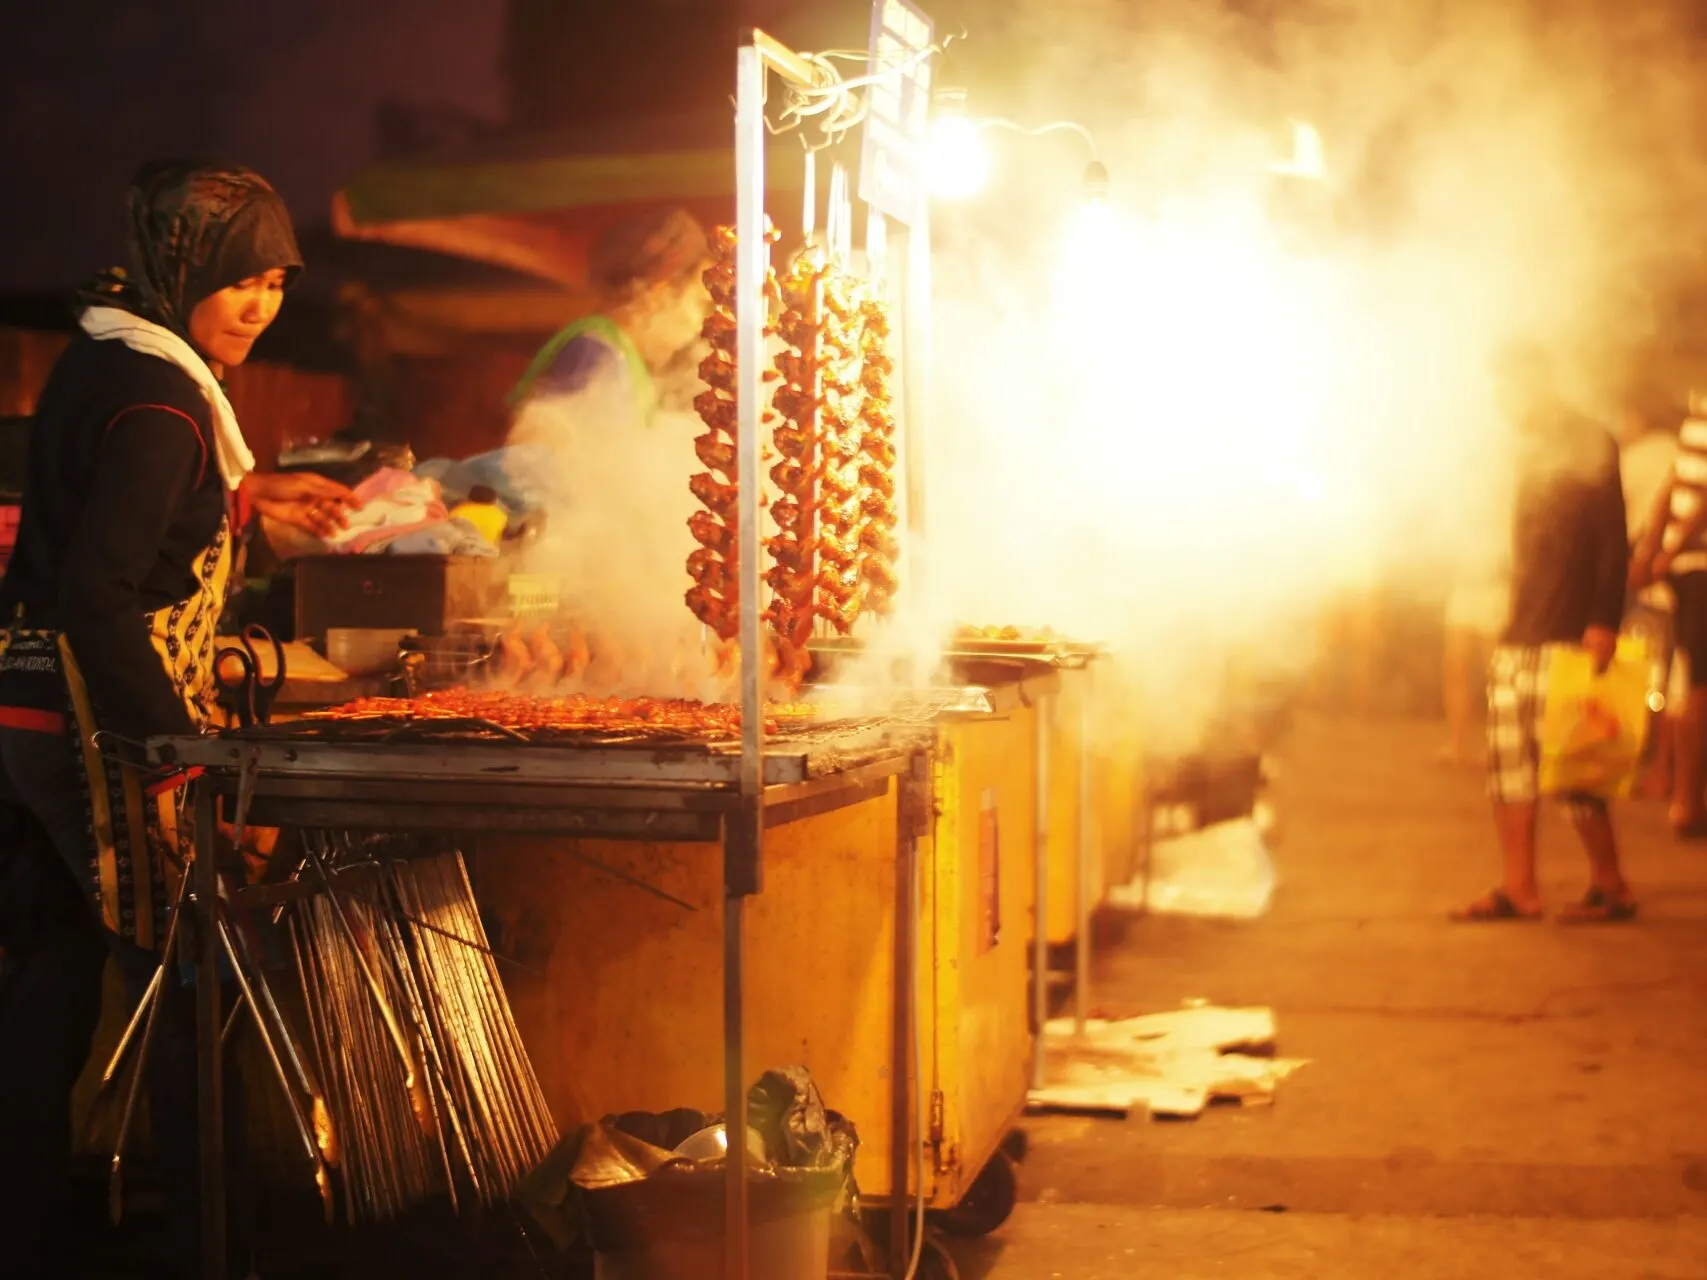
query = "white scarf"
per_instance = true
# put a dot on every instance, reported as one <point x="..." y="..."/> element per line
<point x="230" y="450"/>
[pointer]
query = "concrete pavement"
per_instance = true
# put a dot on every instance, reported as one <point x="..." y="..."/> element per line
<point x="1482" y="1100"/>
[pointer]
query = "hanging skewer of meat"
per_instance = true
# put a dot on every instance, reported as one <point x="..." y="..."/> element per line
<point x="878" y="523"/>
<point x="840" y="589"/>
<point x="714" y="596"/>
<point x="797" y="403"/>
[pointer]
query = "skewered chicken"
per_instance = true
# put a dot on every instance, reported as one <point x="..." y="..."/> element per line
<point x="833" y="467"/>
<point x="579" y="655"/>
<point x="715" y="595"/>
<point x="715" y="610"/>
<point x="879" y="480"/>
<point x="717" y="410"/>
<point x="716" y="453"/>
<point x="793" y="589"/>
<point x="548" y="661"/>
<point x="514" y="659"/>
<point x="715" y="588"/>
<point x="797" y="401"/>
<point x="711" y="571"/>
<point x="877" y="468"/>
<point x="719" y="498"/>
<point x="792" y="557"/>
<point x="711" y="532"/>
<point x="717" y="371"/>
<point x="795" y="442"/>
<point x="839" y="588"/>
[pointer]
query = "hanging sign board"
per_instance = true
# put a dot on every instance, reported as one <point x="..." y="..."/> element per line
<point x="891" y="170"/>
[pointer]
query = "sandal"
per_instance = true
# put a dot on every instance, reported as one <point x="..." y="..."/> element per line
<point x="1496" y="904"/>
<point x="1599" y="907"/>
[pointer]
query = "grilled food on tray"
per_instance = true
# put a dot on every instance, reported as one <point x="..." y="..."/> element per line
<point x="1006" y="635"/>
<point x="568" y="715"/>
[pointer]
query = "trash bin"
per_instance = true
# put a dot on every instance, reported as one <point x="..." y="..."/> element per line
<point x="651" y="1212"/>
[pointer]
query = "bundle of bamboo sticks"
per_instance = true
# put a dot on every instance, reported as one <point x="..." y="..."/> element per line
<point x="428" y="1085"/>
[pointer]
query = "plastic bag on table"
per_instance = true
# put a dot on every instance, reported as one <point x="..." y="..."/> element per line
<point x="1594" y="727"/>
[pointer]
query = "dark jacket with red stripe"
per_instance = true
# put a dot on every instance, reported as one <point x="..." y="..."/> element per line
<point x="123" y="495"/>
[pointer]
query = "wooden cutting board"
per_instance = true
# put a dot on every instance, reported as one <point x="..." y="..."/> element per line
<point x="301" y="662"/>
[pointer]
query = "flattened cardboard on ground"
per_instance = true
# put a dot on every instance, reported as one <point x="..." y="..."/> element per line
<point x="1168" y="1064"/>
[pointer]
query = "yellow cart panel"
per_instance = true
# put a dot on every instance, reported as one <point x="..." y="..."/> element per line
<point x="626" y="1012"/>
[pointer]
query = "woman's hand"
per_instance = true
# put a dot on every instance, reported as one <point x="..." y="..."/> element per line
<point x="302" y="500"/>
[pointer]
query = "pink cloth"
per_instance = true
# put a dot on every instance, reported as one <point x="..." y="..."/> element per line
<point x="388" y="503"/>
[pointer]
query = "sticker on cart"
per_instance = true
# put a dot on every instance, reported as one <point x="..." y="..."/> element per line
<point x="989" y="873"/>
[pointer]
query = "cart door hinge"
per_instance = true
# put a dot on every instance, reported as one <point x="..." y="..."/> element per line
<point x="936" y="1119"/>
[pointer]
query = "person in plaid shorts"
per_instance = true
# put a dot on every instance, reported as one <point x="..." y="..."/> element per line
<point x="1569" y="562"/>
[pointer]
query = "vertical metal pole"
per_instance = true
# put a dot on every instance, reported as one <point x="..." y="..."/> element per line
<point x="742" y="831"/>
<point x="734" y="1090"/>
<point x="1082" y="893"/>
<point x="210" y="1072"/>
<point x="916" y="395"/>
<point x="1040" y="925"/>
<point x="901" y="1108"/>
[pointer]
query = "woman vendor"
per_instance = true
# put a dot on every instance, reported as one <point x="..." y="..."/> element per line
<point x="139" y="483"/>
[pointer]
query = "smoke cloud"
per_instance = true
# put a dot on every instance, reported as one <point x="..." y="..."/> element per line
<point x="1193" y="426"/>
<point x="1246" y="399"/>
<point x="617" y="537"/>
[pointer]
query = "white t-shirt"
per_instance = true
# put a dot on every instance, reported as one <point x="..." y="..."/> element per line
<point x="1687" y="494"/>
<point x="1646" y="464"/>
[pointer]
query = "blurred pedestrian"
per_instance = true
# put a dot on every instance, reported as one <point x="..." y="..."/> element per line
<point x="1569" y="561"/>
<point x="1647" y="438"/>
<point x="1674" y="552"/>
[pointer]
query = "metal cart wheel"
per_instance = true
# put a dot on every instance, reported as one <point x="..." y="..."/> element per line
<point x="865" y="1255"/>
<point x="935" y="1261"/>
<point x="988" y="1202"/>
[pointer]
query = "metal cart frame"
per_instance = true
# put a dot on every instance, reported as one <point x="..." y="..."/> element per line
<point x="677" y="793"/>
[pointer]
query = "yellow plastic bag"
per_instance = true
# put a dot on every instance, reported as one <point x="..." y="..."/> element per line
<point x="1594" y="728"/>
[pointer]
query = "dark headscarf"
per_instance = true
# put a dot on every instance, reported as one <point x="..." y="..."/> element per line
<point x="194" y="228"/>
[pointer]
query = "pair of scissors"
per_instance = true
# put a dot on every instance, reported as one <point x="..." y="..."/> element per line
<point x="242" y="677"/>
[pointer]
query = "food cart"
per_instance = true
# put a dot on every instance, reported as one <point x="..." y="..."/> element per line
<point x="851" y="904"/>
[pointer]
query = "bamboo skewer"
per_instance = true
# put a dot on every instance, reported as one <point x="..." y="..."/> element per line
<point x="409" y="1034"/>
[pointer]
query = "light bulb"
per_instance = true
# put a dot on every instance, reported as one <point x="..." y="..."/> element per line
<point x="957" y="163"/>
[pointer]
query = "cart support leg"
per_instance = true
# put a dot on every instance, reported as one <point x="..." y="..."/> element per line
<point x="741" y="845"/>
<point x="1082" y="881"/>
<point x="210" y="1073"/>
<point x="1040" y="924"/>
<point x="909" y="799"/>
<point x="734" y="1087"/>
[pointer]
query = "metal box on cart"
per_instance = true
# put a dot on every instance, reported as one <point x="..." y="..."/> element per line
<point x="623" y="1011"/>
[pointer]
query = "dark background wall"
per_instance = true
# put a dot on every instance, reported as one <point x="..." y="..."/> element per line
<point x="91" y="88"/>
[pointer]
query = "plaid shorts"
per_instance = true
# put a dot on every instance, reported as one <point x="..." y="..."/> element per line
<point x="1517" y="701"/>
